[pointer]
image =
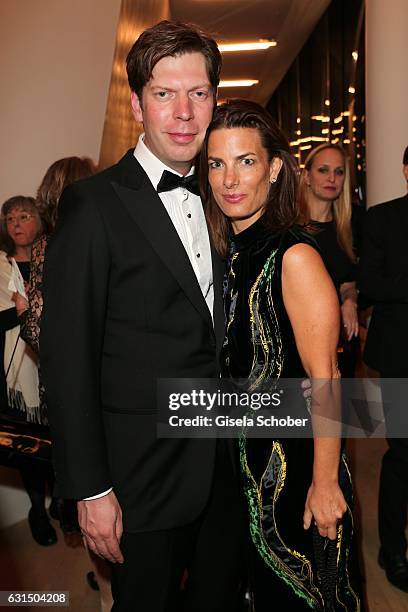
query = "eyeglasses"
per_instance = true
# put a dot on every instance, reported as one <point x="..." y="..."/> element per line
<point x="21" y="218"/>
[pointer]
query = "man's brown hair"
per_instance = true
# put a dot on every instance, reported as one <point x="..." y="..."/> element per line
<point x="170" y="38"/>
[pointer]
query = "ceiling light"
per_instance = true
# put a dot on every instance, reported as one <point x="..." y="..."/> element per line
<point x="239" y="83"/>
<point x="247" y="46"/>
<point x="351" y="89"/>
<point x="299" y="141"/>
<point x="355" y="55"/>
<point x="322" y="118"/>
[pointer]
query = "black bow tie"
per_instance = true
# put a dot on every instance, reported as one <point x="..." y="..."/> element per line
<point x="170" y="181"/>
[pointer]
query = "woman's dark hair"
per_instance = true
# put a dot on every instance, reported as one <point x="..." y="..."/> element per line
<point x="19" y="202"/>
<point x="281" y="209"/>
<point x="170" y="38"/>
<point x="405" y="157"/>
<point x="59" y="175"/>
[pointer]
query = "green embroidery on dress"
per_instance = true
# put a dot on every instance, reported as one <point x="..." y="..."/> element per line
<point x="267" y="359"/>
<point x="309" y="593"/>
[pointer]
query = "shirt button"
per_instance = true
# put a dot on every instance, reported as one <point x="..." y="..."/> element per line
<point x="189" y="215"/>
<point x="198" y="254"/>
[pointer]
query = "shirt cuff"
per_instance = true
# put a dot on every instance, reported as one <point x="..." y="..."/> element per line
<point x="98" y="496"/>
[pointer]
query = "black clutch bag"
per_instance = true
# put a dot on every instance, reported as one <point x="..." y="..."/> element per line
<point x="325" y="552"/>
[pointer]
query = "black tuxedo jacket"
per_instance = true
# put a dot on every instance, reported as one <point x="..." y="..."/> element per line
<point x="122" y="308"/>
<point x="383" y="272"/>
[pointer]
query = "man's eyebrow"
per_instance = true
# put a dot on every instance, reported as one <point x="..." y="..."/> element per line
<point x="202" y="86"/>
<point x="169" y="88"/>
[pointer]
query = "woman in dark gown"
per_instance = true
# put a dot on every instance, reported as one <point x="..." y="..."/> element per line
<point x="282" y="320"/>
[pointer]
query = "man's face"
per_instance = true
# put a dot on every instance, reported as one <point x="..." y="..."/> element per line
<point x="176" y="108"/>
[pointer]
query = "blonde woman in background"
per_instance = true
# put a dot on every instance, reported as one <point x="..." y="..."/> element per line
<point x="325" y="201"/>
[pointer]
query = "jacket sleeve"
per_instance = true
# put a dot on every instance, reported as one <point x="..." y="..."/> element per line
<point x="375" y="281"/>
<point x="75" y="285"/>
<point x="8" y="319"/>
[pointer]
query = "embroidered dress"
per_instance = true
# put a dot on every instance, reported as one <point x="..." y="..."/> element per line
<point x="260" y="346"/>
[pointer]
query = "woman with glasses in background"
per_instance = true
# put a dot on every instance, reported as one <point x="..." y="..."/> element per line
<point x="20" y="226"/>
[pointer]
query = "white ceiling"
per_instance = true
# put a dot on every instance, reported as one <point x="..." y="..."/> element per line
<point x="290" y="22"/>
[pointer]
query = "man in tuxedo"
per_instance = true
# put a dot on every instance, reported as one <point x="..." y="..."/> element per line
<point x="384" y="280"/>
<point x="132" y="294"/>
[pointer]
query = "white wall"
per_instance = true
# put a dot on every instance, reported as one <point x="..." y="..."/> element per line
<point x="55" y="65"/>
<point x="386" y="98"/>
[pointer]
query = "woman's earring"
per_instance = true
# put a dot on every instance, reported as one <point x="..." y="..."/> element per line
<point x="273" y="179"/>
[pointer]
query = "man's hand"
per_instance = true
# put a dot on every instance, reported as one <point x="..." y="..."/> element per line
<point x="101" y="525"/>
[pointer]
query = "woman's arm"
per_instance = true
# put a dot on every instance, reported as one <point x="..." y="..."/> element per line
<point x="348" y="294"/>
<point x="313" y="309"/>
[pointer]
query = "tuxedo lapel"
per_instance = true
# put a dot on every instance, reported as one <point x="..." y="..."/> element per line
<point x="146" y="209"/>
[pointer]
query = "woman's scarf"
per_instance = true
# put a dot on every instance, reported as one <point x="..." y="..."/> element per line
<point x="19" y="360"/>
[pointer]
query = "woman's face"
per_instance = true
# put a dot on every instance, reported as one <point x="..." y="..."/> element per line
<point x="326" y="176"/>
<point x="23" y="227"/>
<point x="240" y="174"/>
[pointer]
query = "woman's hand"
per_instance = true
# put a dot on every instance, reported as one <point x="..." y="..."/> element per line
<point x="20" y="302"/>
<point x="325" y="504"/>
<point x="349" y="318"/>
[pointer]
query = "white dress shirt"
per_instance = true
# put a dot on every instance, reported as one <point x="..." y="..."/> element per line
<point x="186" y="213"/>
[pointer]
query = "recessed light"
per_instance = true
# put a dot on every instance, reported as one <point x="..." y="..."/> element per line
<point x="239" y="83"/>
<point x="247" y="46"/>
